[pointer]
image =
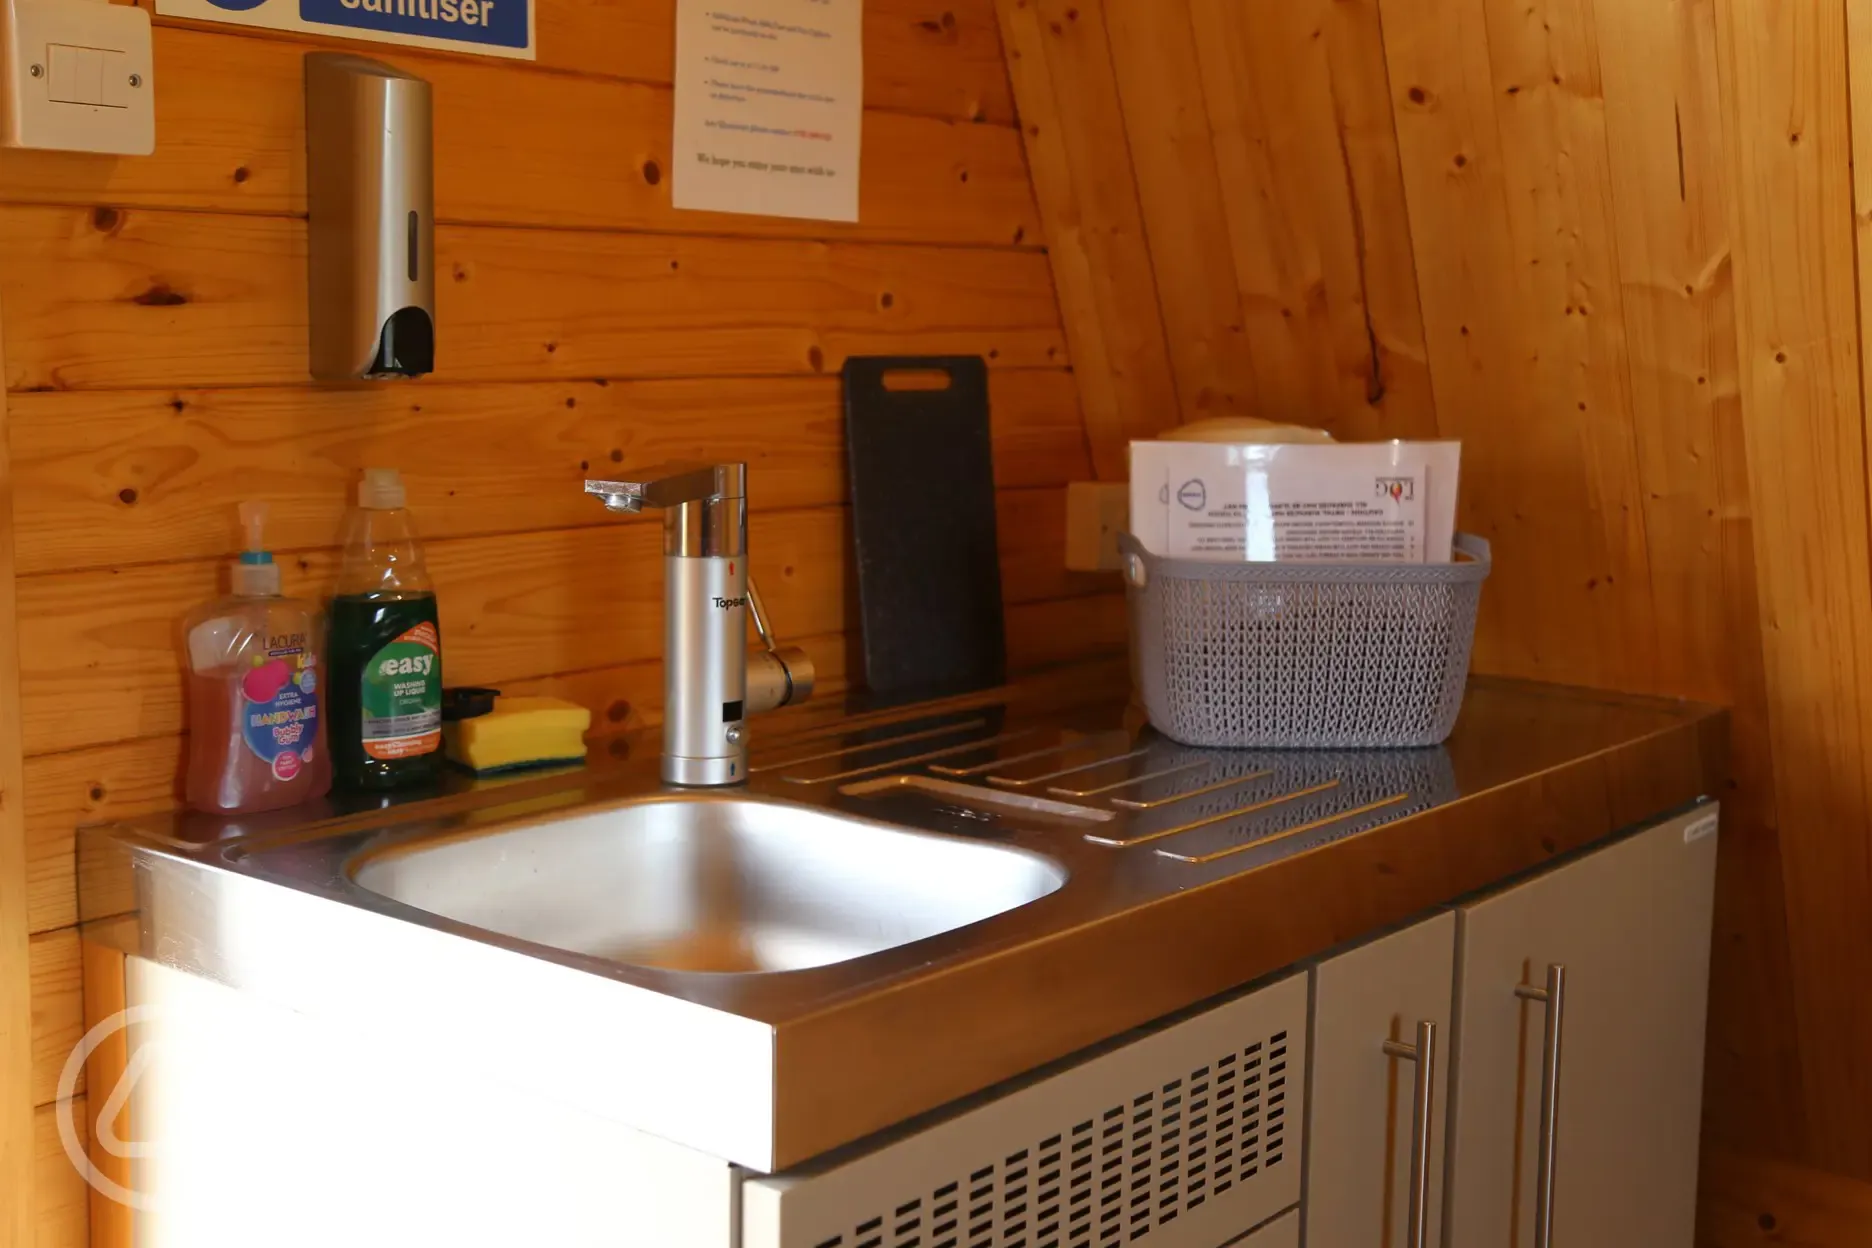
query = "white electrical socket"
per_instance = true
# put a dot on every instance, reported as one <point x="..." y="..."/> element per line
<point x="78" y="77"/>
<point x="1096" y="513"/>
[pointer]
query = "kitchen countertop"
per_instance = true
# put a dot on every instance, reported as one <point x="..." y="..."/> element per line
<point x="1532" y="773"/>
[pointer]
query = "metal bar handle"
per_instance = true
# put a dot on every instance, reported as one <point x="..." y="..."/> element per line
<point x="1553" y="996"/>
<point x="1423" y="1054"/>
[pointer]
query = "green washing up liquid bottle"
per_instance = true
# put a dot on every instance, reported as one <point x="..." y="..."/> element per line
<point x="385" y="687"/>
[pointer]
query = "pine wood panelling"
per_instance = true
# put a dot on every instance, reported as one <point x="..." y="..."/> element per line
<point x="106" y="994"/>
<point x="1670" y="191"/>
<point x="1060" y="59"/>
<point x="65" y="791"/>
<point x="55" y="1196"/>
<point x="147" y="476"/>
<point x="1752" y="1202"/>
<point x="1785" y="88"/>
<point x="17" y="1138"/>
<point x="925" y="179"/>
<point x="1514" y="266"/>
<point x="57" y="1009"/>
<point x="1329" y="313"/>
<point x="116" y="298"/>
<point x="1166" y="122"/>
<point x="1397" y="400"/>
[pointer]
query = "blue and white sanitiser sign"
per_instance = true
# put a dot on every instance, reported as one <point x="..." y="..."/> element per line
<point x="491" y="27"/>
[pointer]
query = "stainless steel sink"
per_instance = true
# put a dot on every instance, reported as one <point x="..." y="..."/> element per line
<point x="710" y="884"/>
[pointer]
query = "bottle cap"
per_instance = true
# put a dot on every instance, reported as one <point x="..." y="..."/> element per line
<point x="256" y="575"/>
<point x="381" y="490"/>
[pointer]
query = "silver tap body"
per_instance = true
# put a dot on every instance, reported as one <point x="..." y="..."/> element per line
<point x="704" y="669"/>
<point x="705" y="615"/>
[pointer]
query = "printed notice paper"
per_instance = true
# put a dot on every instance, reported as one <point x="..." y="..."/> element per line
<point x="1338" y="503"/>
<point x="769" y="103"/>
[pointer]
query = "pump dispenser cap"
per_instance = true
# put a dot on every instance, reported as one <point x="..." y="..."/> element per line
<point x="381" y="490"/>
<point x="256" y="575"/>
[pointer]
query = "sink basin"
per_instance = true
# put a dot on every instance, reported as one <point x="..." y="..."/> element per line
<point x="710" y="884"/>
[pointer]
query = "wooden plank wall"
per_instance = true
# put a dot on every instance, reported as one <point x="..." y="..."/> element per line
<point x="154" y="320"/>
<point x="1613" y="248"/>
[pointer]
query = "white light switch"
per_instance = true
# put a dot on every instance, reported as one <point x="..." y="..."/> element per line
<point x="78" y="77"/>
<point x="116" y="92"/>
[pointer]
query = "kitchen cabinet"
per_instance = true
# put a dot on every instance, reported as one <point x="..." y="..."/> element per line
<point x="1186" y="1134"/>
<point x="1617" y="942"/>
<point x="1378" y="1071"/>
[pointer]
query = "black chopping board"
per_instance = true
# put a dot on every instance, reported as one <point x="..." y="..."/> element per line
<point x="923" y="523"/>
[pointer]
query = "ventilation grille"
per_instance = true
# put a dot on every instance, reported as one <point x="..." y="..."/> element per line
<point x="1112" y="1178"/>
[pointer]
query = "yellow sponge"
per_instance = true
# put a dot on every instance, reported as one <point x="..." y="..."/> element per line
<point x="517" y="733"/>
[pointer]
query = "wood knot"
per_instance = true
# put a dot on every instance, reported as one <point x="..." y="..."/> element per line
<point x="241" y="174"/>
<point x="815" y="359"/>
<point x="97" y="793"/>
<point x="160" y="295"/>
<point x="128" y="496"/>
<point x="617" y="456"/>
<point x="571" y="402"/>
<point x="106" y="220"/>
<point x="618" y="711"/>
<point x="652" y="172"/>
<point x="1417" y="95"/>
<point x="886" y="299"/>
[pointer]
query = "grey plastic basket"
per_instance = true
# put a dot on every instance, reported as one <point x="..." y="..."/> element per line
<point x="1303" y="655"/>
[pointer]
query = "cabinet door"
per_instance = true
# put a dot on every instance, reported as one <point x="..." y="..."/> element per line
<point x="1630" y="924"/>
<point x="1362" y="1100"/>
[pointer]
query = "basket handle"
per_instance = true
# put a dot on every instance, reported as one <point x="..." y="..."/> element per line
<point x="1477" y="548"/>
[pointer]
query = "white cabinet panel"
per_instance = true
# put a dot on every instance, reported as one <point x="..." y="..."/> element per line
<point x="1631" y="926"/>
<point x="1282" y="1232"/>
<point x="1361" y="1100"/>
<point x="1183" y="1137"/>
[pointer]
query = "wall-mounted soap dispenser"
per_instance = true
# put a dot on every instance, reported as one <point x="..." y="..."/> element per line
<point x="371" y="199"/>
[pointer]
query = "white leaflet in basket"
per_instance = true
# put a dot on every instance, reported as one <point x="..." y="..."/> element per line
<point x="1388" y="502"/>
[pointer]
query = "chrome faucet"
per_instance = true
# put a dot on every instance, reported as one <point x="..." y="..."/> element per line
<point x="710" y="686"/>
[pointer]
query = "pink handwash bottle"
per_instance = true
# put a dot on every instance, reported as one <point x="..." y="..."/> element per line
<point x="256" y="723"/>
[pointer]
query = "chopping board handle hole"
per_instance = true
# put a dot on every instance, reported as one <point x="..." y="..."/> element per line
<point x="917" y="379"/>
